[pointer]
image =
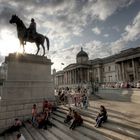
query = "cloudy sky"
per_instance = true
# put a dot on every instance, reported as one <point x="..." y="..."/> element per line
<point x="101" y="27"/>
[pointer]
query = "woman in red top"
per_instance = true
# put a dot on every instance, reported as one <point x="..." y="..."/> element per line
<point x="45" y="105"/>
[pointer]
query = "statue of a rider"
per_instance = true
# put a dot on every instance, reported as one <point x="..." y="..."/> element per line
<point x="31" y="31"/>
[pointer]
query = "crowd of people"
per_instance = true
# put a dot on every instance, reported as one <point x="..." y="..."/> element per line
<point x="41" y="120"/>
<point x="78" y="97"/>
<point x="74" y="119"/>
<point x="121" y="85"/>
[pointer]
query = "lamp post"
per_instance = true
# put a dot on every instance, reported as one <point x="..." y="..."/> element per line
<point x="91" y="81"/>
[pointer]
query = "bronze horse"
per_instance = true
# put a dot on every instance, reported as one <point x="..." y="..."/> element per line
<point x="22" y="35"/>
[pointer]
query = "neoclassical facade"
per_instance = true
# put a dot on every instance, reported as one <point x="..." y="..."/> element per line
<point x="121" y="67"/>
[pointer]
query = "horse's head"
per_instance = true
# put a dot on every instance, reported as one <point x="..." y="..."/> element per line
<point x="13" y="19"/>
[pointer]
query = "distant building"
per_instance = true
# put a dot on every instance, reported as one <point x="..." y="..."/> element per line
<point x="121" y="67"/>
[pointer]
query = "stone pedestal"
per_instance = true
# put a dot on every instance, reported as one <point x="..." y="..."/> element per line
<point x="28" y="81"/>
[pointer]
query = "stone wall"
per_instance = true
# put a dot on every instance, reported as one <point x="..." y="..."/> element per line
<point x="9" y="110"/>
<point x="120" y="94"/>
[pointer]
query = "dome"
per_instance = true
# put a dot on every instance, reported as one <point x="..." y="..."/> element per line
<point x="82" y="53"/>
<point x="82" y="57"/>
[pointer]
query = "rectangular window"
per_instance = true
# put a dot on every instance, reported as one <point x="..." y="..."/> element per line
<point x="109" y="68"/>
<point x="109" y="78"/>
<point x="104" y="79"/>
<point x="116" y="77"/>
<point x="96" y="70"/>
<point x="139" y="62"/>
<point x="130" y="64"/>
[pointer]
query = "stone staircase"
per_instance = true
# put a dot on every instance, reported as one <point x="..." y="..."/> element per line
<point x="118" y="127"/>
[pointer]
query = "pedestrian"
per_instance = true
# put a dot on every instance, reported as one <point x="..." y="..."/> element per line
<point x="34" y="113"/>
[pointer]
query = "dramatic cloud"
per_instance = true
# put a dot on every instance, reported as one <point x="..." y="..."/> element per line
<point x="102" y="9"/>
<point x="66" y="23"/>
<point x="97" y="49"/>
<point x="132" y="33"/>
<point x="96" y="30"/>
<point x="106" y="35"/>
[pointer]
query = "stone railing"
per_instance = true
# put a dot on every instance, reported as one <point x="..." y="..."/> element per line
<point x="120" y="94"/>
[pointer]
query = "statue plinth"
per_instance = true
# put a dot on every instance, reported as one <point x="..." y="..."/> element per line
<point x="28" y="67"/>
<point x="28" y="81"/>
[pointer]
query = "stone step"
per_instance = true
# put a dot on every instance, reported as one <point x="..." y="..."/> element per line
<point x="1" y="137"/>
<point x="60" y="135"/>
<point x="26" y="134"/>
<point x="61" y="119"/>
<point x="34" y="132"/>
<point x="114" y="121"/>
<point x="115" y="126"/>
<point x="114" y="129"/>
<point x="75" y="134"/>
<point x="117" y="111"/>
<point x="14" y="135"/>
<point x="110" y="133"/>
<point x="86" y="133"/>
<point x="105" y="131"/>
<point x="107" y="135"/>
<point x="8" y="137"/>
<point x="48" y="135"/>
<point x="91" y="133"/>
<point x="115" y="118"/>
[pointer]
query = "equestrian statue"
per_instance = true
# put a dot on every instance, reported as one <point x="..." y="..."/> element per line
<point x="29" y="34"/>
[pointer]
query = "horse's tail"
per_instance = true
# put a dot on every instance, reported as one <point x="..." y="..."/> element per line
<point x="48" y="42"/>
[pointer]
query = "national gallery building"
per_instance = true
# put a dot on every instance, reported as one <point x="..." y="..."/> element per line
<point x="121" y="67"/>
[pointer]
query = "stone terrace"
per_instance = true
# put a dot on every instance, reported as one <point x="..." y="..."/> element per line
<point x="123" y="124"/>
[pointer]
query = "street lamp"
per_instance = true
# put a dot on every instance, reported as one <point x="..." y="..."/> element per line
<point x="91" y="81"/>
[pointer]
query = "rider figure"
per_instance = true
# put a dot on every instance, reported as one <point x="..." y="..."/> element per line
<point x="31" y="30"/>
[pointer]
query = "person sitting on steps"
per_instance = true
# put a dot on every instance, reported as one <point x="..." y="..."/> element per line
<point x="69" y="116"/>
<point x="15" y="127"/>
<point x="43" y="119"/>
<point x="102" y="116"/>
<point x="77" y="120"/>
